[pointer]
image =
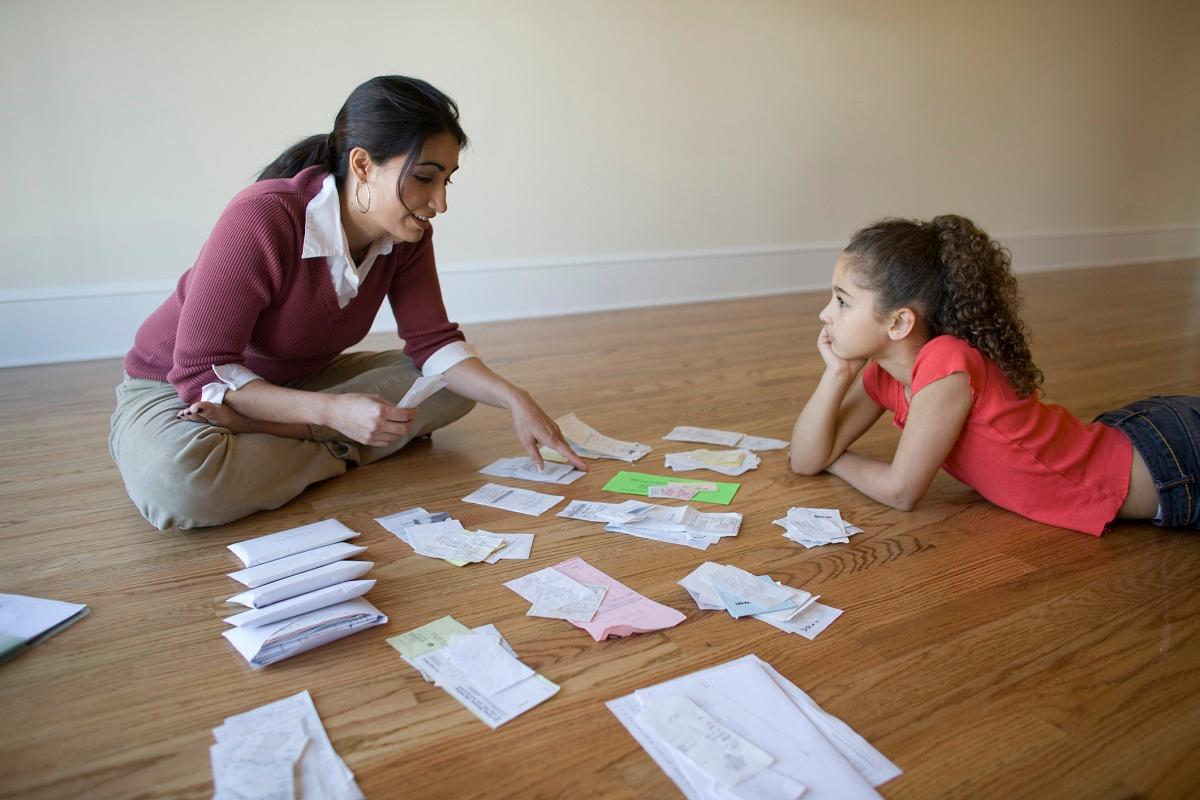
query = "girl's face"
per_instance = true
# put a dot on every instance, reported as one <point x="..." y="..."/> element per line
<point x="424" y="190"/>
<point x="854" y="329"/>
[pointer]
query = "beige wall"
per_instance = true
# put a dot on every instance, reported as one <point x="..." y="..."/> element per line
<point x="602" y="128"/>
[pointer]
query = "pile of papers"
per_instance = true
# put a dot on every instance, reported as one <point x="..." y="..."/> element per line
<point x="301" y="592"/>
<point x="279" y="751"/>
<point x="522" y="501"/>
<point x="524" y="469"/>
<point x="726" y="462"/>
<point x="587" y="442"/>
<point x="589" y="599"/>
<point x="440" y="536"/>
<point x="685" y="433"/>
<point x="742" y="730"/>
<point x="25" y="621"/>
<point x="813" y="527"/>
<point x="674" y="525"/>
<point x="476" y="667"/>
<point x="724" y="587"/>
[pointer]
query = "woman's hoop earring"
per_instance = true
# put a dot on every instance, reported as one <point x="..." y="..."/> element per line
<point x="358" y="202"/>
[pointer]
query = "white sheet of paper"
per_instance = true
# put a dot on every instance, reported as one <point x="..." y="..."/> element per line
<point x="522" y="501"/>
<point x="686" y="433"/>
<point x="302" y="583"/>
<point x="553" y="594"/>
<point x="400" y="522"/>
<point x="448" y="540"/>
<point x="726" y="757"/>
<point x="277" y="570"/>
<point x="26" y="618"/>
<point x="594" y="511"/>
<point x="590" y="443"/>
<point x="524" y="469"/>
<point x="761" y="443"/>
<point x="485" y="663"/>
<point x="262" y="549"/>
<point x="519" y="546"/>
<point x="421" y="390"/>
<point x="816" y="618"/>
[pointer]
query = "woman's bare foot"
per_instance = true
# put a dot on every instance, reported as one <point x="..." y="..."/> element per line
<point x="217" y="414"/>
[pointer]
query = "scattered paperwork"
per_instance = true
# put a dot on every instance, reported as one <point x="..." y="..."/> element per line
<point x="622" y="611"/>
<point x="558" y="596"/>
<point x="640" y="483"/>
<point x="438" y="535"/>
<point x="524" y="469"/>
<point x="483" y="673"/>
<point x="674" y="525"/>
<point x="686" y="433"/>
<point x="742" y="730"/>
<point x="725" y="587"/>
<point x="300" y="599"/>
<point x="279" y="751"/>
<point x="587" y="442"/>
<point x="25" y="621"/>
<point x="814" y="527"/>
<point x="726" y="462"/>
<point x="522" y="501"/>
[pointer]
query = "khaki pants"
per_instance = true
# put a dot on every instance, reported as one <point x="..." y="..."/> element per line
<point x="183" y="474"/>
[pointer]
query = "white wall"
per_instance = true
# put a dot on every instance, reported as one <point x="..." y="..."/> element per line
<point x="622" y="152"/>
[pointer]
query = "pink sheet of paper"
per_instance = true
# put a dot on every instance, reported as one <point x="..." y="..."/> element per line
<point x="623" y="611"/>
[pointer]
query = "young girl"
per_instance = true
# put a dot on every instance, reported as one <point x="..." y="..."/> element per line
<point x="237" y="394"/>
<point x="927" y="313"/>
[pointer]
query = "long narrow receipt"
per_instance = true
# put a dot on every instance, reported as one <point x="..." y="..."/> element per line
<point x="522" y="501"/>
<point x="588" y="442"/>
<point x="449" y="541"/>
<point x="262" y="549"/>
<point x="726" y="757"/>
<point x="422" y="389"/>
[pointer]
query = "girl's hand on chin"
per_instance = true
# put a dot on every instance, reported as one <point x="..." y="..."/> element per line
<point x="833" y="362"/>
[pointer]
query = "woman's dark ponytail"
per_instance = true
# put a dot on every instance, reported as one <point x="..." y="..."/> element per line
<point x="958" y="278"/>
<point x="302" y="155"/>
<point x="387" y="116"/>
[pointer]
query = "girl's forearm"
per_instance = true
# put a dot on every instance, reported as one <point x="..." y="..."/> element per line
<point x="816" y="427"/>
<point x="875" y="479"/>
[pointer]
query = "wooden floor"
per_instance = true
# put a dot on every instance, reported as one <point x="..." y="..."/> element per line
<point x="988" y="656"/>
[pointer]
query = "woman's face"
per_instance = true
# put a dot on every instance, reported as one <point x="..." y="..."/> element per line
<point x="423" y="191"/>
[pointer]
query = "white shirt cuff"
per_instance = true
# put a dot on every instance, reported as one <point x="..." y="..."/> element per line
<point x="232" y="376"/>
<point x="446" y="357"/>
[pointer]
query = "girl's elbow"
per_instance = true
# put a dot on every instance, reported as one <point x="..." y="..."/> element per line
<point x="803" y="467"/>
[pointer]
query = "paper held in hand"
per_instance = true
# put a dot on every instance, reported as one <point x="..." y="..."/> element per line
<point x="422" y="389"/>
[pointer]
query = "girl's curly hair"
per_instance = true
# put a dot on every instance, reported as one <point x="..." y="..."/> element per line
<point x="957" y="278"/>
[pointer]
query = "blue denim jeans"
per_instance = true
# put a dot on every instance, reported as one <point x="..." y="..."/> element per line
<point x="1166" y="431"/>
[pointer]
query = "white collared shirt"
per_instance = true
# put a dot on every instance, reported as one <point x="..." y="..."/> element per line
<point x="325" y="237"/>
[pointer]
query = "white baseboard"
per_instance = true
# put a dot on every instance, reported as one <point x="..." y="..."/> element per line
<point x="79" y="323"/>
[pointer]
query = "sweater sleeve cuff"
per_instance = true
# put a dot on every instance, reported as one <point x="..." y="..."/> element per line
<point x="446" y="357"/>
<point x="232" y="377"/>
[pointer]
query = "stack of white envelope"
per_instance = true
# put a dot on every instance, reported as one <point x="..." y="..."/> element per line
<point x="742" y="730"/>
<point x="440" y="536"/>
<point x="726" y="462"/>
<point x="475" y="666"/>
<point x="587" y="442"/>
<point x="814" y="527"/>
<point x="674" y="525"/>
<point x="725" y="587"/>
<point x="279" y="750"/>
<point x="686" y="433"/>
<point x="301" y="592"/>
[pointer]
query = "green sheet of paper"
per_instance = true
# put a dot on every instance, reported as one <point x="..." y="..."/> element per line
<point x="638" y="483"/>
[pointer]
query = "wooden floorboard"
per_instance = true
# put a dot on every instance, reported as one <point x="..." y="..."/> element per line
<point x="987" y="655"/>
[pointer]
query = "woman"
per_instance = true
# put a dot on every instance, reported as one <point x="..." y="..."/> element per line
<point x="237" y="394"/>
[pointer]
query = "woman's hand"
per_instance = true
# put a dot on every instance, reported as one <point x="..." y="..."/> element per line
<point x="534" y="427"/>
<point x="833" y="362"/>
<point x="368" y="418"/>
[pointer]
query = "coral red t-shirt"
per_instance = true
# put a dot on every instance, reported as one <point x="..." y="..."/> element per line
<point x="1022" y="454"/>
